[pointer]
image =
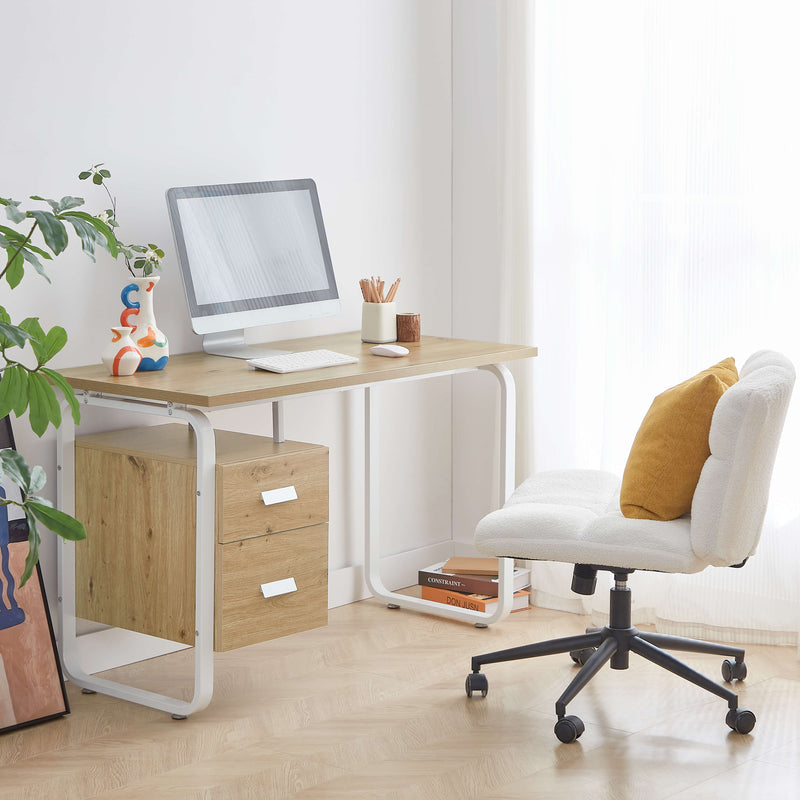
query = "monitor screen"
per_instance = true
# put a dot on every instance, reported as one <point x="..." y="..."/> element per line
<point x="251" y="254"/>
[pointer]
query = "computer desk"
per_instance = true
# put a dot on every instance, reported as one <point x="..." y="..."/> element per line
<point x="193" y="384"/>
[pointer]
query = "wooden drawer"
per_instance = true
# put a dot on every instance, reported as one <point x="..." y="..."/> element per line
<point x="135" y="493"/>
<point x="246" y="513"/>
<point x="242" y="614"/>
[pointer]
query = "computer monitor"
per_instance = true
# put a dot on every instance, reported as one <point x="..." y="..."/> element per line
<point x="251" y="254"/>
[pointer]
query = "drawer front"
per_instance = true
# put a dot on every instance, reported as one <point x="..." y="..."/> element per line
<point x="243" y="615"/>
<point x="271" y="495"/>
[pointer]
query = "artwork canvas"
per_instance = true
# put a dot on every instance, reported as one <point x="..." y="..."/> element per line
<point x="31" y="683"/>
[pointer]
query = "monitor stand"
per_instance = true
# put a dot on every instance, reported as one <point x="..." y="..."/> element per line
<point x="232" y="344"/>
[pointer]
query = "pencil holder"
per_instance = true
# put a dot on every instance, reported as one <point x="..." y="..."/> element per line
<point x="408" y="327"/>
<point x="378" y="323"/>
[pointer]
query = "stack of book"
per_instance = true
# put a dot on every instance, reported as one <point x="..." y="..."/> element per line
<point x="471" y="583"/>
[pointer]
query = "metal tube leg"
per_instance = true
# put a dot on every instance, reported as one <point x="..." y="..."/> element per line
<point x="551" y="647"/>
<point x="692" y="645"/>
<point x="372" y="497"/>
<point x="668" y="662"/>
<point x="587" y="672"/>
<point x="372" y="507"/>
<point x="508" y="422"/>
<point x="204" y="565"/>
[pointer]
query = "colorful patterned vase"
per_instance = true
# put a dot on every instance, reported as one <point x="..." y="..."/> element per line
<point x="121" y="356"/>
<point x="138" y="314"/>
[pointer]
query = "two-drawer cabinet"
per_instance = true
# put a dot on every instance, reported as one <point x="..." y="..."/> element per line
<point x="135" y="492"/>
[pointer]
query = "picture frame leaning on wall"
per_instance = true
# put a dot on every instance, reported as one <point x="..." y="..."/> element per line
<point x="31" y="682"/>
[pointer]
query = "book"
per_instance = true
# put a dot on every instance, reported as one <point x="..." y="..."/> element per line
<point x="474" y="602"/>
<point x="470" y="565"/>
<point x="438" y="578"/>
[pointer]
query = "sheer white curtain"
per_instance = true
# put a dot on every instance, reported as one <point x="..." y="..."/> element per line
<point x="663" y="140"/>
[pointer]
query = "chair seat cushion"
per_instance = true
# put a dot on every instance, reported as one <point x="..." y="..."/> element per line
<point x="573" y="516"/>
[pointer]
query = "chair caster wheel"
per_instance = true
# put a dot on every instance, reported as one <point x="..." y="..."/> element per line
<point x="88" y="691"/>
<point x="733" y="670"/>
<point x="178" y="716"/>
<point x="568" y="729"/>
<point x="476" y="682"/>
<point x="741" y="720"/>
<point x="581" y="656"/>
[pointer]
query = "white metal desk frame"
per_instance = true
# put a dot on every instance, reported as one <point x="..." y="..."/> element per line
<point x="205" y="533"/>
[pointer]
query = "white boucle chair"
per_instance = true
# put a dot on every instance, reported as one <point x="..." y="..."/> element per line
<point x="574" y="516"/>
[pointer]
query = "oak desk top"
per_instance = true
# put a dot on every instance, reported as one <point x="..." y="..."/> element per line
<point x="205" y="381"/>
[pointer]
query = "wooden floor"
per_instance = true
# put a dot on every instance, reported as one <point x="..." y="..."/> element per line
<point x="373" y="706"/>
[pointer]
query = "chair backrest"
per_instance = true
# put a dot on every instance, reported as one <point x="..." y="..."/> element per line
<point x="730" y="500"/>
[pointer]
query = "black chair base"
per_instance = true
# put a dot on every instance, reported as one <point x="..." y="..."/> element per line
<point x="613" y="643"/>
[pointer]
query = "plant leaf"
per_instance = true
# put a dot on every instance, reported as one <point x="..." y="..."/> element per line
<point x="60" y="205"/>
<point x="105" y="235"/>
<point x="14" y="390"/>
<point x="54" y="341"/>
<point x="38" y="479"/>
<point x="15" y="466"/>
<point x="15" y="269"/>
<point x="37" y="335"/>
<point x="37" y="265"/>
<point x="69" y="393"/>
<point x="53" y="230"/>
<point x="33" y="547"/>
<point x="43" y="404"/>
<point x="13" y="213"/>
<point x="18" y="238"/>
<point x="58" y="522"/>
<point x="67" y="202"/>
<point x="86" y="232"/>
<point x="14" y="335"/>
<point x="44" y="344"/>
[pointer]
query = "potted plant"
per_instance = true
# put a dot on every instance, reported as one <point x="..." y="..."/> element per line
<point x="142" y="262"/>
<point x="32" y="236"/>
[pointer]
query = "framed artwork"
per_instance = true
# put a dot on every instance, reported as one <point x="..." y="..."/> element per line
<point x="31" y="683"/>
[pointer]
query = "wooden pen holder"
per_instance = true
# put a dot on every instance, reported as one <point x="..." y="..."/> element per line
<point x="408" y="327"/>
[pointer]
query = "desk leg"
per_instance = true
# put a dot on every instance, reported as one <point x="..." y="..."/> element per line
<point x="204" y="565"/>
<point x="277" y="421"/>
<point x="372" y="510"/>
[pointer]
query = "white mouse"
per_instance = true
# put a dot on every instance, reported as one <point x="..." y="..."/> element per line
<point x="390" y="350"/>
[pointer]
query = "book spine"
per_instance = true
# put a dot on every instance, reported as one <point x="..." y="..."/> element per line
<point x="454" y="599"/>
<point x="457" y="583"/>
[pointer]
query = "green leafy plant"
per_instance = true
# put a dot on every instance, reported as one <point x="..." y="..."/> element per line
<point x="140" y="259"/>
<point x="27" y="384"/>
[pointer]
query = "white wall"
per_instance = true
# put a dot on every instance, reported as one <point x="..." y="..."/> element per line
<point x="354" y="93"/>
<point x="476" y="247"/>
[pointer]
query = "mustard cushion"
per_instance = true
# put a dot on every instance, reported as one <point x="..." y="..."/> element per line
<point x="671" y="446"/>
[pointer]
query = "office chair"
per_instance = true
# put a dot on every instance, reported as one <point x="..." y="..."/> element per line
<point x="575" y="516"/>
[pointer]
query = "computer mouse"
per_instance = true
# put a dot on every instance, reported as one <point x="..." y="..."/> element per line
<point x="390" y="350"/>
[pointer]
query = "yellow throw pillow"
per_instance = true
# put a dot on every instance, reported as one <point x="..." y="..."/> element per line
<point x="671" y="446"/>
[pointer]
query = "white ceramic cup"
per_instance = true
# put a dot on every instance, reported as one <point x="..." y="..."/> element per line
<point x="378" y="322"/>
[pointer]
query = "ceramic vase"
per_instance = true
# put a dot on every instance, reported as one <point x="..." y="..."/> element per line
<point x="121" y="356"/>
<point x="138" y="314"/>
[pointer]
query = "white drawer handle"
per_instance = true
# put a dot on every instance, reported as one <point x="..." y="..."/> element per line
<point x="275" y="588"/>
<point x="275" y="496"/>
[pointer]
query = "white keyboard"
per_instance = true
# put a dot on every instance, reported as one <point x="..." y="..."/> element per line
<point x="298" y="362"/>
